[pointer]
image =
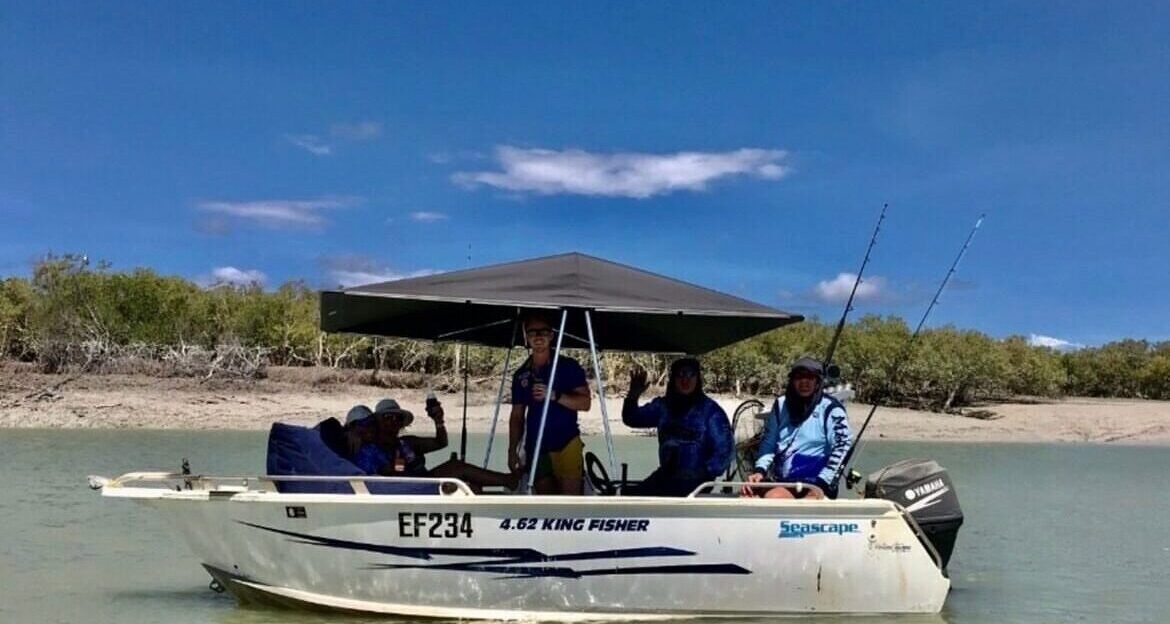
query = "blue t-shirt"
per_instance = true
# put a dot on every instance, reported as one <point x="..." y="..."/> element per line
<point x="562" y="421"/>
<point x="370" y="458"/>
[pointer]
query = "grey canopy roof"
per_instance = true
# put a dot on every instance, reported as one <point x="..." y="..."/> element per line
<point x="631" y="309"/>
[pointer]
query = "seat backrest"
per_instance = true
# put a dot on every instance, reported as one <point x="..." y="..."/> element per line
<point x="294" y="450"/>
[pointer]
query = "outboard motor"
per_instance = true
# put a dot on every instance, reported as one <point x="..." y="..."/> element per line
<point x="924" y="488"/>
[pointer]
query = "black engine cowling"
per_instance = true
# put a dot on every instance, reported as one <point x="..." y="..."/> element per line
<point x="924" y="488"/>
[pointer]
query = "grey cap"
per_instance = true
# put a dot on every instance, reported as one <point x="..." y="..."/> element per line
<point x="808" y="364"/>
<point x="357" y="413"/>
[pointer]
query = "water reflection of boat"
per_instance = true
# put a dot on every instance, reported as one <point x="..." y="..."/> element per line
<point x="455" y="554"/>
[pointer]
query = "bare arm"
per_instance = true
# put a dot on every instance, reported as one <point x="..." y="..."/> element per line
<point x="430" y="445"/>
<point x="515" y="432"/>
<point x="579" y="399"/>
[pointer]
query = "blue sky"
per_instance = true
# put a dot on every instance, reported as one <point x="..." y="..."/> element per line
<point x="747" y="148"/>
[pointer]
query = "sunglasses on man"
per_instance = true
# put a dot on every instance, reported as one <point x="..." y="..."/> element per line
<point x="540" y="332"/>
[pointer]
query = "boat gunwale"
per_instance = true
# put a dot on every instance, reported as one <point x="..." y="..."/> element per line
<point x="868" y="507"/>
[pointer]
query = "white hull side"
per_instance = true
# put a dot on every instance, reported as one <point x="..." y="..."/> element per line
<point x="675" y="557"/>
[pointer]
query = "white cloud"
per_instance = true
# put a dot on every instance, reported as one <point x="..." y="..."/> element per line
<point x="357" y="270"/>
<point x="340" y="132"/>
<point x="232" y="275"/>
<point x="1038" y="340"/>
<point x="359" y="278"/>
<point x="837" y="289"/>
<point x="629" y="174"/>
<point x="356" y="131"/>
<point x="276" y="213"/>
<point x="423" y="216"/>
<point x="310" y="143"/>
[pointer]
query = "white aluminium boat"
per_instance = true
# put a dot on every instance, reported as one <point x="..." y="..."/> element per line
<point x="456" y="554"/>
<point x="548" y="557"/>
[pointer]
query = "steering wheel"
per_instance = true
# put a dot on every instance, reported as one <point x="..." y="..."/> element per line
<point x="747" y="434"/>
<point x="598" y="475"/>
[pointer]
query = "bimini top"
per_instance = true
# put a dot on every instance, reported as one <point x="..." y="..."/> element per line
<point x="631" y="309"/>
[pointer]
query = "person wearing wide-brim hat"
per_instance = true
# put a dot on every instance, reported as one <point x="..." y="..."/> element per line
<point x="806" y="437"/>
<point x="405" y="455"/>
<point x="389" y="408"/>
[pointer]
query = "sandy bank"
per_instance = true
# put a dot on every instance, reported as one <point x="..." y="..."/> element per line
<point x="30" y="400"/>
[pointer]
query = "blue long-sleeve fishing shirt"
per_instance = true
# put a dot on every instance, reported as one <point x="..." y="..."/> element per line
<point x="810" y="452"/>
<point x="695" y="446"/>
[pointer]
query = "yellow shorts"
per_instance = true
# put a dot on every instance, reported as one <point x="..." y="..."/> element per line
<point x="567" y="463"/>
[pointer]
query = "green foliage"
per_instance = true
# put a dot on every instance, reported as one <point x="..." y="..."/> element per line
<point x="950" y="367"/>
<point x="868" y="351"/>
<point x="67" y="303"/>
<point x="1126" y="368"/>
<point x="1032" y="371"/>
<point x="16" y="302"/>
<point x="1154" y="378"/>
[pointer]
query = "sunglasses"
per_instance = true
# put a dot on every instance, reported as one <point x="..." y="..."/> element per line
<point x="538" y="331"/>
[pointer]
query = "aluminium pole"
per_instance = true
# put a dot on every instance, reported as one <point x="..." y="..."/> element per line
<point x="544" y="409"/>
<point x="601" y="395"/>
<point x="500" y="393"/>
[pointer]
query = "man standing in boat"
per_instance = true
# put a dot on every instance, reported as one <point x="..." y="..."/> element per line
<point x="559" y="461"/>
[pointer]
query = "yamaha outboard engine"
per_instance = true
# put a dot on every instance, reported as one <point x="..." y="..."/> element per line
<point x="924" y="488"/>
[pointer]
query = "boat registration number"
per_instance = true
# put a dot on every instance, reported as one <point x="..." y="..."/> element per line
<point x="434" y="524"/>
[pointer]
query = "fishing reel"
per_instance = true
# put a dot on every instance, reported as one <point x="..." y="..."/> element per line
<point x="852" y="478"/>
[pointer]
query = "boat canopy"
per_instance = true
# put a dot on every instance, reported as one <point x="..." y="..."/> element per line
<point x="630" y="309"/>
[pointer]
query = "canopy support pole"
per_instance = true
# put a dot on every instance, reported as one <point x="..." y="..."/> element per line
<point x="601" y="394"/>
<point x="466" y="375"/>
<point x="552" y="376"/>
<point x="500" y="393"/>
<point x="466" y="330"/>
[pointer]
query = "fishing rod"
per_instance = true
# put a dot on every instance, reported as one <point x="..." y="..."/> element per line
<point x="830" y="372"/>
<point x="853" y="293"/>
<point x="905" y="353"/>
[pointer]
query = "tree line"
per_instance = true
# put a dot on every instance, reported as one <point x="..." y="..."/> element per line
<point x="70" y="315"/>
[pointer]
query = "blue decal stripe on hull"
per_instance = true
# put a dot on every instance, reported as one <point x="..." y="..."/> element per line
<point x="503" y="560"/>
<point x="536" y="572"/>
<point x="403" y="551"/>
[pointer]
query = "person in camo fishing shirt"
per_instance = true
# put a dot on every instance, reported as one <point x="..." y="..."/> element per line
<point x="695" y="443"/>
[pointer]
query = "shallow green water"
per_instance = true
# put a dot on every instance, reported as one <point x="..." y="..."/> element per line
<point x="1054" y="533"/>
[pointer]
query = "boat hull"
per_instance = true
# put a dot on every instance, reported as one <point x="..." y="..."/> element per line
<point x="566" y="558"/>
